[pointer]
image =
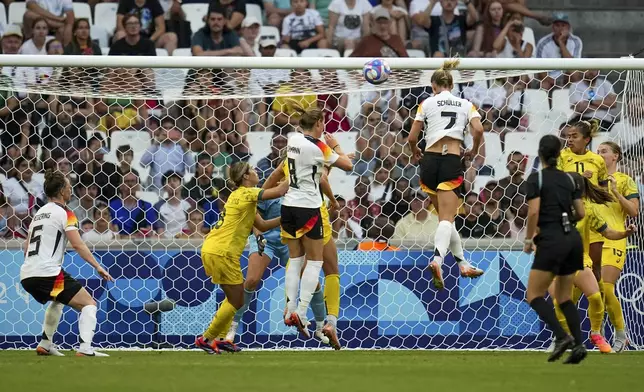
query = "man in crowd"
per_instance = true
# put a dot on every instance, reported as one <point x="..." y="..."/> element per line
<point x="593" y="98"/>
<point x="381" y="43"/>
<point x="420" y="224"/>
<point x="173" y="211"/>
<point x="105" y="173"/>
<point x="59" y="15"/>
<point x="561" y="43"/>
<point x="213" y="39"/>
<point x="250" y="34"/>
<point x="514" y="184"/>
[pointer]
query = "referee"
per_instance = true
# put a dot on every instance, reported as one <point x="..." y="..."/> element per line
<point x="554" y="201"/>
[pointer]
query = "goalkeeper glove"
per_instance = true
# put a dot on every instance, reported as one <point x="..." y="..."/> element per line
<point x="261" y="243"/>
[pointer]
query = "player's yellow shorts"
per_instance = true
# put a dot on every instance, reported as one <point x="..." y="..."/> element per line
<point x="588" y="262"/>
<point x="614" y="258"/>
<point x="326" y="224"/>
<point x="222" y="269"/>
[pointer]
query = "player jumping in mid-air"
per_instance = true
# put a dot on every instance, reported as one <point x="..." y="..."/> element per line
<point x="302" y="222"/>
<point x="42" y="275"/>
<point x="224" y="246"/>
<point x="444" y="118"/>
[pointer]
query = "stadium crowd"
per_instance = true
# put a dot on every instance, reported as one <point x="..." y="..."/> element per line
<point x="174" y="186"/>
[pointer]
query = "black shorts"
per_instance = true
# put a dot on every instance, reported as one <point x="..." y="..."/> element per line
<point x="559" y="253"/>
<point x="299" y="221"/>
<point x="294" y="44"/>
<point x="440" y="172"/>
<point x="60" y="288"/>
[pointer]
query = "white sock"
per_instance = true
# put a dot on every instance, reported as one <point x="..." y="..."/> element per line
<point x="310" y="279"/>
<point x="442" y="240"/>
<point x="292" y="282"/>
<point x="331" y="319"/>
<point x="456" y="246"/>
<point x="87" y="326"/>
<point x="52" y="318"/>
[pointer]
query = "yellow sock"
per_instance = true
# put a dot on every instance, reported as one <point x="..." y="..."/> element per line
<point x="561" y="317"/>
<point x="221" y="321"/>
<point x="601" y="290"/>
<point x="332" y="294"/>
<point x="576" y="294"/>
<point x="595" y="312"/>
<point x="613" y="307"/>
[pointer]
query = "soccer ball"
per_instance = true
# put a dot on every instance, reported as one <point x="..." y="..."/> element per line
<point x="376" y="71"/>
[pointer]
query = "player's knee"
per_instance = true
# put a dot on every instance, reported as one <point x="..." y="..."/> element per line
<point x="251" y="283"/>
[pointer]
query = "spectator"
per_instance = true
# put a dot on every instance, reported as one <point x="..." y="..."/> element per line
<point x="380" y="233"/>
<point x="348" y="21"/>
<point x="86" y="226"/>
<point x="492" y="27"/>
<point x="520" y="216"/>
<point x="166" y="155"/>
<point x="195" y="227"/>
<point x="58" y="15"/>
<point x="82" y="43"/>
<point x="381" y="43"/>
<point x="221" y="160"/>
<point x="8" y="161"/>
<point x="234" y="12"/>
<point x="283" y="113"/>
<point x="561" y="43"/>
<point x="173" y="211"/>
<point x="64" y="166"/>
<point x="133" y="42"/>
<point x="491" y="196"/>
<point x="510" y="42"/>
<point x="448" y="32"/>
<point x="343" y="226"/>
<point x="269" y="163"/>
<point x="593" y="98"/>
<point x="130" y="215"/>
<point x="419" y="225"/>
<point x="266" y="81"/>
<point x="203" y="187"/>
<point x="6" y="231"/>
<point x="54" y="47"/>
<point x="22" y="190"/>
<point x="303" y="28"/>
<point x="382" y="186"/>
<point x="36" y="45"/>
<point x="322" y="6"/>
<point x="249" y="36"/>
<point x="125" y="156"/>
<point x="399" y="17"/>
<point x="101" y="231"/>
<point x="92" y="161"/>
<point x="84" y="198"/>
<point x="420" y="13"/>
<point x="513" y="185"/>
<point x="152" y="22"/>
<point x="406" y="169"/>
<point x="474" y="222"/>
<point x="276" y="11"/>
<point x="398" y="205"/>
<point x="362" y="209"/>
<point x="11" y="41"/>
<point x="213" y="39"/>
<point x="67" y="131"/>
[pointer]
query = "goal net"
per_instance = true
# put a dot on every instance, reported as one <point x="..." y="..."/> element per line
<point x="147" y="143"/>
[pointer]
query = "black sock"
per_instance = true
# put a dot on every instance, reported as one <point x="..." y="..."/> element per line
<point x="547" y="314"/>
<point x="572" y="317"/>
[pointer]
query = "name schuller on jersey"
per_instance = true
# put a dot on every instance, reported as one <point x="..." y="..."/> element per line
<point x="449" y="102"/>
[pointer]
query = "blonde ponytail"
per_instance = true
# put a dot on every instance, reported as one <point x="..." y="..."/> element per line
<point x="442" y="77"/>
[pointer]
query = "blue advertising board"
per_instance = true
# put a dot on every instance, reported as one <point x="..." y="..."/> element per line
<point x="387" y="301"/>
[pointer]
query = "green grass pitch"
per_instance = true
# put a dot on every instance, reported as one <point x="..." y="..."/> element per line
<point x="312" y="371"/>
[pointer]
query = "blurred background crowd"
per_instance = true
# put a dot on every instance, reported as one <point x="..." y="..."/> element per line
<point x="157" y="167"/>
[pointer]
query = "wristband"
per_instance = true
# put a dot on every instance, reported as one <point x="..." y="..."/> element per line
<point x="528" y="241"/>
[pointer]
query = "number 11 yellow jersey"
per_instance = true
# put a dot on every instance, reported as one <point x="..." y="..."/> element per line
<point x="228" y="236"/>
<point x="571" y="162"/>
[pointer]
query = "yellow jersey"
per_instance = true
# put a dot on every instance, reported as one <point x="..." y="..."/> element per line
<point x="571" y="162"/>
<point x="592" y="221"/>
<point x="614" y="213"/>
<point x="228" y="236"/>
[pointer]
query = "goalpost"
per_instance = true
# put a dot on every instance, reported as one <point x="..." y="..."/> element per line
<point x="221" y="107"/>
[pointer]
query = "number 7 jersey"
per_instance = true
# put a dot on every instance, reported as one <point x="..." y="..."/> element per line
<point x="47" y="241"/>
<point x="445" y="115"/>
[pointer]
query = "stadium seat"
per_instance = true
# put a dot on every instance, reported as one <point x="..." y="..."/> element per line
<point x="150" y="197"/>
<point x="139" y="141"/>
<point x="107" y="13"/>
<point x="599" y="139"/>
<point x="16" y="11"/>
<point x="354" y="102"/>
<point x="259" y="144"/>
<point x="480" y="182"/>
<point x="347" y="141"/>
<point x="561" y="102"/>
<point x="105" y="50"/>
<point x="3" y="15"/>
<point x="182" y="52"/>
<point x="525" y="142"/>
<point x="348" y="52"/>
<point x="195" y="14"/>
<point x="162" y="52"/>
<point x="100" y="34"/>
<point x="343" y="184"/>
<point x="536" y="101"/>
<point x="320" y="53"/>
<point x="256" y="11"/>
<point x="282" y="52"/>
<point x="493" y="150"/>
<point x="82" y="10"/>
<point x="416" y="53"/>
<point x="269" y="31"/>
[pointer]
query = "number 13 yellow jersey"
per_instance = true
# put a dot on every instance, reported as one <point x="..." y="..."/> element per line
<point x="228" y="236"/>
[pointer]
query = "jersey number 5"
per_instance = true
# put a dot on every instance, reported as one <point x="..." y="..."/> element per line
<point x="292" y="178"/>
<point x="34" y="238"/>
<point x="452" y="119"/>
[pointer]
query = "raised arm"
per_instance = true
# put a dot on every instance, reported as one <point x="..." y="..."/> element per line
<point x="275" y="177"/>
<point x="476" y="130"/>
<point x="265" y="225"/>
<point x="274" y="192"/>
<point x="343" y="162"/>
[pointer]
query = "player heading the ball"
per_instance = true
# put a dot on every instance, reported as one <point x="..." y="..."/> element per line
<point x="42" y="275"/>
<point x="444" y="118"/>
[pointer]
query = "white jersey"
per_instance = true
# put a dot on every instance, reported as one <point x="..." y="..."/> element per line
<point x="445" y="115"/>
<point x="306" y="157"/>
<point x="47" y="241"/>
